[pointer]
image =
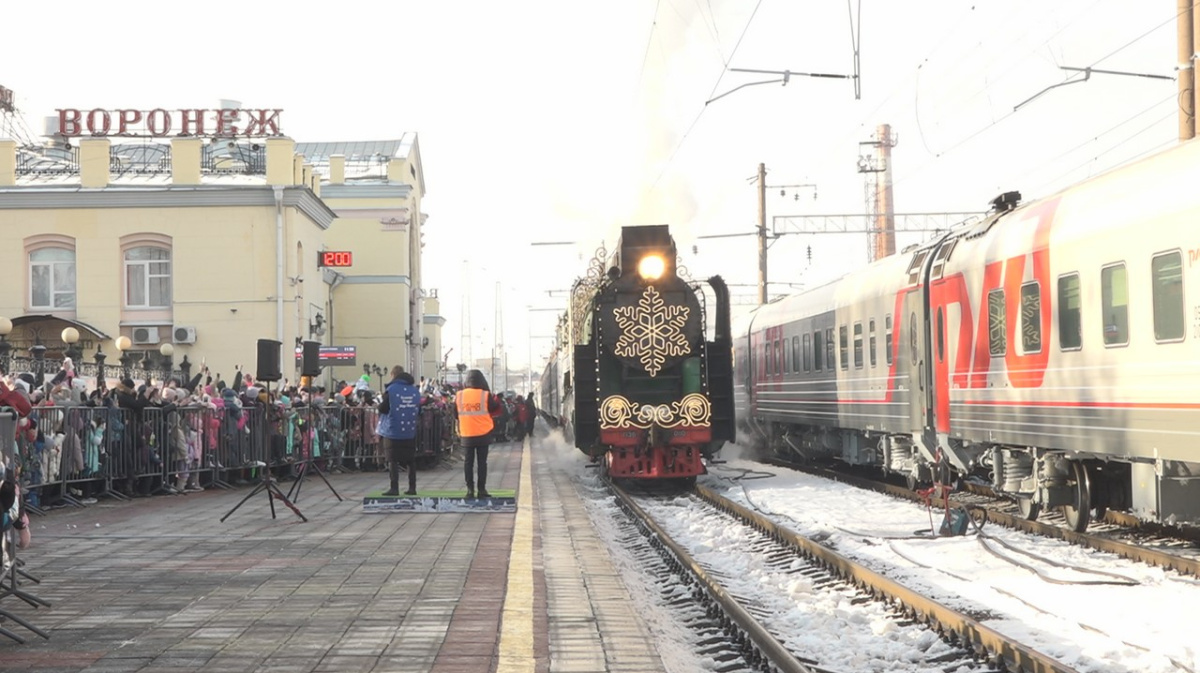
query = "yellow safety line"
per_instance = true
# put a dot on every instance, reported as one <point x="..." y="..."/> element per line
<point x="516" y="631"/>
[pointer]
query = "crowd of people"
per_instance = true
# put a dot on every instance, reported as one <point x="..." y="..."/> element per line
<point x="75" y="440"/>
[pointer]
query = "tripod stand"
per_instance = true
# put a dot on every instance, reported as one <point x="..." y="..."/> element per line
<point x="311" y="461"/>
<point x="267" y="481"/>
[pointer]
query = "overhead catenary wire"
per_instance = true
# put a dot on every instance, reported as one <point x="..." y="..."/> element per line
<point x="646" y="52"/>
<point x="688" y="132"/>
<point x="1008" y="115"/>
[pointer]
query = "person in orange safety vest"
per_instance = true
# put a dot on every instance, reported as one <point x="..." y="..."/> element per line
<point x="473" y="405"/>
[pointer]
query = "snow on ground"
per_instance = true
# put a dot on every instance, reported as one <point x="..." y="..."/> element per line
<point x="674" y="640"/>
<point x="1120" y="616"/>
<point x="821" y="625"/>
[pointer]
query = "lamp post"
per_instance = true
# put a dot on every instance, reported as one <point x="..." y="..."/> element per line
<point x="6" y="327"/>
<point x="100" y="356"/>
<point x="38" y="351"/>
<point x="123" y="343"/>
<point x="167" y="351"/>
<point x="70" y="337"/>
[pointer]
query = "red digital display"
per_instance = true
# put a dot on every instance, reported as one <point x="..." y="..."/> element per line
<point x="335" y="258"/>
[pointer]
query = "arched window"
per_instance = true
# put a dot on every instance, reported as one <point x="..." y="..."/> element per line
<point x="148" y="277"/>
<point x="52" y="279"/>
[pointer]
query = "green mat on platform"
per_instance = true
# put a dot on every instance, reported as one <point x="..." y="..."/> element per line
<point x="460" y="493"/>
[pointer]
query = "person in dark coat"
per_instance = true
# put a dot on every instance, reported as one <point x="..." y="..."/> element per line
<point x="398" y="428"/>
<point x="532" y="419"/>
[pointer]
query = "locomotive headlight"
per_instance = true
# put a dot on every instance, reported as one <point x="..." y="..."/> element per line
<point x="651" y="267"/>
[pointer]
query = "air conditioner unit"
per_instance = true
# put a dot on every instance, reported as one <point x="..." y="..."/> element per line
<point x="184" y="335"/>
<point x="145" y="335"/>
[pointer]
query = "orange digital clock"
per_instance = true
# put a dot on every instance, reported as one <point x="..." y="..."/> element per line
<point x="334" y="258"/>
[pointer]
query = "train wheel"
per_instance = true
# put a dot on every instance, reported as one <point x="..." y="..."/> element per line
<point x="1029" y="509"/>
<point x="910" y="480"/>
<point x="1079" y="513"/>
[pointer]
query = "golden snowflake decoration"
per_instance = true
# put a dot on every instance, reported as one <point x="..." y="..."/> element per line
<point x="651" y="331"/>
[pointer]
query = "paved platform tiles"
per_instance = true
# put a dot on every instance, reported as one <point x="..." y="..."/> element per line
<point x="159" y="584"/>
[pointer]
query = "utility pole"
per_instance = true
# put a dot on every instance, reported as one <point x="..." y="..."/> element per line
<point x="1185" y="49"/>
<point x="762" y="232"/>
<point x="763" y="236"/>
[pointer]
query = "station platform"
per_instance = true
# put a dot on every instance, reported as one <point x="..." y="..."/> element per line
<point x="161" y="584"/>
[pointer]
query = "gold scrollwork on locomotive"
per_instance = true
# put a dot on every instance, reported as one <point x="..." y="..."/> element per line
<point x="617" y="411"/>
<point x="651" y="331"/>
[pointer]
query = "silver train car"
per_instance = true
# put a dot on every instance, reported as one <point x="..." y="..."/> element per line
<point x="1052" y="349"/>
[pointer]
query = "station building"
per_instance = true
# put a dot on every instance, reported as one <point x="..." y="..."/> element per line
<point x="194" y="248"/>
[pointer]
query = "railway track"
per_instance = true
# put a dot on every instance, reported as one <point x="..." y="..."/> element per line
<point x="1119" y="534"/>
<point x="969" y="644"/>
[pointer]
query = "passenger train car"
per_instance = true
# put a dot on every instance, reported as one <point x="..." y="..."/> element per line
<point x="643" y="380"/>
<point x="1052" y="348"/>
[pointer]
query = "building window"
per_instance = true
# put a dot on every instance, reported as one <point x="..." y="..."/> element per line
<point x="1167" y="280"/>
<point x="148" y="277"/>
<point x="1031" y="318"/>
<point x="817" y="349"/>
<point x="1114" y="304"/>
<point x="887" y="339"/>
<point x="1070" y="319"/>
<point x="52" y="279"/>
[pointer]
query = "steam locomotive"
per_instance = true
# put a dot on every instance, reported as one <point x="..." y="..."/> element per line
<point x="1052" y="349"/>
<point x="637" y="383"/>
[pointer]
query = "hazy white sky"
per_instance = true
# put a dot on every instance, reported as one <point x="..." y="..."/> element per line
<point x="552" y="120"/>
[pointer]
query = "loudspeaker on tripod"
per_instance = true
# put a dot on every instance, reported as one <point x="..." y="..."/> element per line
<point x="268" y="360"/>
<point x="310" y="365"/>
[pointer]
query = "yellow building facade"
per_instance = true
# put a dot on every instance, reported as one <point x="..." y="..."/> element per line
<point x="196" y="249"/>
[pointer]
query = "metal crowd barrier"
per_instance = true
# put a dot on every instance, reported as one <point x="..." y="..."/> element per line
<point x="71" y="455"/>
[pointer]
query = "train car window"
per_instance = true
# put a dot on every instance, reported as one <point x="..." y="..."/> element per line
<point x="829" y="361"/>
<point x="1114" y="304"/>
<point x="1167" y="272"/>
<point x="858" y="345"/>
<point x="808" y="353"/>
<point x="796" y="354"/>
<point x="1070" y="318"/>
<point x="997" y="337"/>
<point x="766" y="358"/>
<point x="1031" y="318"/>
<point x="871" y="342"/>
<point x="941" y="335"/>
<point x="781" y="362"/>
<point x="844" y="347"/>
<point x="939" y="261"/>
<point x="817" y="350"/>
<point x="914" y="267"/>
<point x="887" y="339"/>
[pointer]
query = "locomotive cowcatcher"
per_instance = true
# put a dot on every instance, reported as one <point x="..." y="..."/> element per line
<point x="653" y="397"/>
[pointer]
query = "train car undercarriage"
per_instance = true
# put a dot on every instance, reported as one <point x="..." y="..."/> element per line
<point x="1082" y="487"/>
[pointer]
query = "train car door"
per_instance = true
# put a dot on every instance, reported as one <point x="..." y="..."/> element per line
<point x="910" y="325"/>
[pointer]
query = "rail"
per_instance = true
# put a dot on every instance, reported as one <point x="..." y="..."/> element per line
<point x="765" y="644"/>
<point x="969" y="632"/>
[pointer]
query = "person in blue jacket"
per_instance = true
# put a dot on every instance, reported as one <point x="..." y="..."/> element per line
<point x="398" y="428"/>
